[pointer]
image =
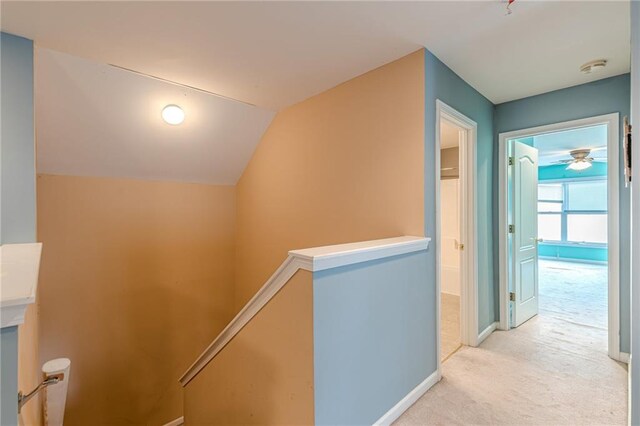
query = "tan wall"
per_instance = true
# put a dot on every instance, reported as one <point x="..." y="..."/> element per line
<point x="136" y="279"/>
<point x="29" y="367"/>
<point x="345" y="165"/>
<point x="264" y="376"/>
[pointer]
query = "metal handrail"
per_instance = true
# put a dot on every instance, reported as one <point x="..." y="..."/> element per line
<point x="51" y="380"/>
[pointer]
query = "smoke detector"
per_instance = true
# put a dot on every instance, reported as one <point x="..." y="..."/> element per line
<point x="593" y="66"/>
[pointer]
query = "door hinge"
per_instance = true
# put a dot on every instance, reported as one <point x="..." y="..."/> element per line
<point x="512" y="296"/>
<point x="512" y="161"/>
<point x="512" y="229"/>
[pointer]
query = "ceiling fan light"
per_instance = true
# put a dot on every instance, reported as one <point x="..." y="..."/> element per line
<point x="579" y="165"/>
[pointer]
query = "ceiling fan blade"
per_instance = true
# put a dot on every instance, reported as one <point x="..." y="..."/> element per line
<point x="566" y="151"/>
<point x="558" y="152"/>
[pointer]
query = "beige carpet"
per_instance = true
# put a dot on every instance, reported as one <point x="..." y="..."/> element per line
<point x="450" y="323"/>
<point x="552" y="370"/>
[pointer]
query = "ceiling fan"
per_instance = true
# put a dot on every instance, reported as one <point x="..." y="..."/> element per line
<point x="581" y="159"/>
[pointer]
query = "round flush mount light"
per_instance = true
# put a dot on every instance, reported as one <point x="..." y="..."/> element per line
<point x="173" y="114"/>
<point x="593" y="66"/>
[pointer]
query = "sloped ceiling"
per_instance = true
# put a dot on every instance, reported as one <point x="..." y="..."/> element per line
<point x="93" y="119"/>
<point x="96" y="120"/>
<point x="274" y="54"/>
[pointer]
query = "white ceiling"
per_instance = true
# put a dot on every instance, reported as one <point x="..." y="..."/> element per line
<point x="96" y="120"/>
<point x="273" y="54"/>
<point x="555" y="146"/>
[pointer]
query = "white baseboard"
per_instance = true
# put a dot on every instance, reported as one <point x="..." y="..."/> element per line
<point x="406" y="402"/>
<point x="624" y="357"/>
<point x="177" y="422"/>
<point x="630" y="394"/>
<point x="487" y="331"/>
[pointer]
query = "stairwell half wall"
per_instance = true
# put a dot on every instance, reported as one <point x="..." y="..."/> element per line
<point x="343" y="166"/>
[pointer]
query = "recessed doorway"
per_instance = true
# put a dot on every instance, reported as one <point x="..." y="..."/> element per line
<point x="455" y="241"/>
<point x="451" y="244"/>
<point x="559" y="232"/>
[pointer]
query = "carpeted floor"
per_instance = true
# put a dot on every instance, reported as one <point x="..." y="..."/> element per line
<point x="552" y="370"/>
<point x="450" y="323"/>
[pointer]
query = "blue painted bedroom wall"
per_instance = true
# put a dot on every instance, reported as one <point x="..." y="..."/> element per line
<point x="559" y="172"/>
<point x="568" y="252"/>
<point x="600" y="97"/>
<point x="374" y="341"/>
<point x="443" y="84"/>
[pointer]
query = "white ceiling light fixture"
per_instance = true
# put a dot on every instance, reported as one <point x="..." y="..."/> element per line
<point x="593" y="66"/>
<point x="579" y="165"/>
<point x="580" y="159"/>
<point x="173" y="114"/>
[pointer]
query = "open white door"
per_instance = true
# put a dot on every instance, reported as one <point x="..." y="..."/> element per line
<point x="524" y="229"/>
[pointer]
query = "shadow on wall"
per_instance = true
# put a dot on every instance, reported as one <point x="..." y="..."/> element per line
<point x="345" y="165"/>
<point x="265" y="374"/>
<point x="136" y="279"/>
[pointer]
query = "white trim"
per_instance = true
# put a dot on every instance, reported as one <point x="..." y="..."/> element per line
<point x="487" y="331"/>
<point x="19" y="269"/>
<point x="177" y="422"/>
<point x="624" y="357"/>
<point x="503" y="253"/>
<point x="468" y="219"/>
<point x="314" y="259"/>
<point x="397" y="410"/>
<point x="257" y="302"/>
<point x="613" y="227"/>
<point x="328" y="257"/>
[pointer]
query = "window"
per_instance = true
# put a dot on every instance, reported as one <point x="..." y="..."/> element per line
<point x="573" y="212"/>
<point x="550" y="196"/>
<point x="550" y="227"/>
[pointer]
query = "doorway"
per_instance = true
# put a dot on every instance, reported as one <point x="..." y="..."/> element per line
<point x="451" y="245"/>
<point x="456" y="264"/>
<point x="559" y="227"/>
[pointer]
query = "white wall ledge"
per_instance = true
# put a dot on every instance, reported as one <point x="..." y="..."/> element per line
<point x="312" y="259"/>
<point x="328" y="257"/>
<point x="19" y="268"/>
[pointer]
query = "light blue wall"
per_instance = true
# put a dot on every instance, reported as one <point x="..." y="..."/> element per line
<point x="443" y="84"/>
<point x="17" y="185"/>
<point x="634" y="389"/>
<point x="9" y="376"/>
<point x="374" y="337"/>
<point x="597" y="98"/>
<point x="17" y="148"/>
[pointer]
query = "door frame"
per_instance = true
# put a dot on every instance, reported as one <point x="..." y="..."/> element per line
<point x="613" y="218"/>
<point x="468" y="219"/>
